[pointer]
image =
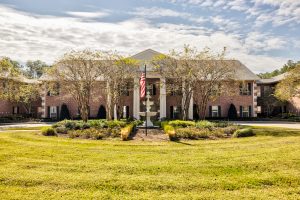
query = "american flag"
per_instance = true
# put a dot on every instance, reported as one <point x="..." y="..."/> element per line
<point x="143" y="85"/>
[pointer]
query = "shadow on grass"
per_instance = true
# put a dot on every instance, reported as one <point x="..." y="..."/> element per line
<point x="275" y="131"/>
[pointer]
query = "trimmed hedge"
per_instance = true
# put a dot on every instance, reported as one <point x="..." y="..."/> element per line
<point x="91" y="133"/>
<point x="245" y="132"/>
<point x="169" y="130"/>
<point x="181" y="123"/>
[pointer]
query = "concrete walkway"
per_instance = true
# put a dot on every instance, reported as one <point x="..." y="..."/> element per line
<point x="281" y="124"/>
<point x="25" y="125"/>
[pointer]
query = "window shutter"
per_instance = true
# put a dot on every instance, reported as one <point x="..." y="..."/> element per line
<point x="250" y="111"/>
<point x="57" y="112"/>
<point x="250" y="88"/>
<point x="171" y="112"/>
<point x="219" y="111"/>
<point x="13" y="110"/>
<point x="154" y="89"/>
<point x="18" y="110"/>
<point x="241" y="111"/>
<point x="127" y="112"/>
<point x="48" y="114"/>
<point x="210" y="111"/>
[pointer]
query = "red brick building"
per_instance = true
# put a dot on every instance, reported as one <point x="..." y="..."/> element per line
<point x="167" y="105"/>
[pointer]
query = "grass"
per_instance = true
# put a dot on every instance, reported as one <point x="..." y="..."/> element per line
<point x="39" y="167"/>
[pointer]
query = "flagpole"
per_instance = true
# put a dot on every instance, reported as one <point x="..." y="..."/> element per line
<point x="146" y="97"/>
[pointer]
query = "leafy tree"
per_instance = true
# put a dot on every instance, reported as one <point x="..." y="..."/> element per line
<point x="64" y="113"/>
<point x="118" y="73"/>
<point x="199" y="74"/>
<point x="287" y="67"/>
<point x="35" y="69"/>
<point x="232" y="113"/>
<point x="289" y="87"/>
<point x="78" y="72"/>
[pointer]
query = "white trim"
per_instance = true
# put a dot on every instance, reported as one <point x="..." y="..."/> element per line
<point x="136" y="99"/>
<point x="162" y="99"/>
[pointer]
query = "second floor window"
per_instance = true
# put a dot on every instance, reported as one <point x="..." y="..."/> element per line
<point x="54" y="90"/>
<point x="151" y="88"/>
<point x="245" y="89"/>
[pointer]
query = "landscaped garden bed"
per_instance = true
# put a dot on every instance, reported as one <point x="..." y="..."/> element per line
<point x="93" y="129"/>
<point x="179" y="129"/>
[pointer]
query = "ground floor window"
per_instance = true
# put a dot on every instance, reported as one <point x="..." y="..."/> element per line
<point x="16" y="110"/>
<point x="53" y="111"/>
<point x="214" y="111"/>
<point x="175" y="112"/>
<point x="245" y="111"/>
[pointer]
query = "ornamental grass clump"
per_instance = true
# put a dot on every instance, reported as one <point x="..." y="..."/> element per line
<point x="245" y="132"/>
<point x="126" y="131"/>
<point x="192" y="133"/>
<point x="90" y="133"/>
<point x="181" y="123"/>
<point x="205" y="124"/>
<point x="48" y="131"/>
<point x="169" y="130"/>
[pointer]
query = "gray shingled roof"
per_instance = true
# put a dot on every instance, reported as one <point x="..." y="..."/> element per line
<point x="274" y="79"/>
<point x="241" y="71"/>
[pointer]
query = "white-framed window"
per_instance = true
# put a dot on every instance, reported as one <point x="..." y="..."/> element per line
<point x="245" y="89"/>
<point x="245" y="111"/>
<point x="215" y="111"/>
<point x="151" y="88"/>
<point x="15" y="110"/>
<point x="53" y="111"/>
<point x="258" y="109"/>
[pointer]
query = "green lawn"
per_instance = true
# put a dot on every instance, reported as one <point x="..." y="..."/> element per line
<point x="38" y="167"/>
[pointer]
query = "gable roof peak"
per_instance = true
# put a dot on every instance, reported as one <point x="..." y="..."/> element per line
<point x="147" y="54"/>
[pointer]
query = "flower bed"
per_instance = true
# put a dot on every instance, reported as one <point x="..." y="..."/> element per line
<point x="95" y="129"/>
<point x="204" y="129"/>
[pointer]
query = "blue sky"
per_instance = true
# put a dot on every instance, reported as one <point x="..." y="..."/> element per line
<point x="263" y="34"/>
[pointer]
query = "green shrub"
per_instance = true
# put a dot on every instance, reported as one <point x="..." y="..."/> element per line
<point x="181" y="123"/>
<point x="230" y="130"/>
<point x="192" y="133"/>
<point x="69" y="124"/>
<point x="245" y="132"/>
<point x="61" y="130"/>
<point x="222" y="124"/>
<point x="126" y="131"/>
<point x="205" y="124"/>
<point x="169" y="130"/>
<point x="48" y="131"/>
<point x="115" y="123"/>
<point x="97" y="123"/>
<point x="90" y="133"/>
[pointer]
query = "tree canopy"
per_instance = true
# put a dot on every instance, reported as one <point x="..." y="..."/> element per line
<point x="286" y="67"/>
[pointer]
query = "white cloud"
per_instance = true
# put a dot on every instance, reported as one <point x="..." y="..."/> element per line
<point x="25" y="36"/>
<point x="87" y="14"/>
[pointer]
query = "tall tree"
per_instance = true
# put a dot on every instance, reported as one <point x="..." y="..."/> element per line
<point x="35" y="69"/>
<point x="78" y="72"/>
<point x="118" y="73"/>
<point x="290" y="86"/>
<point x="15" y="87"/>
<point x="199" y="74"/>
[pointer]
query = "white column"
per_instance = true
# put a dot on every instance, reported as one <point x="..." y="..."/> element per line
<point x="44" y="108"/>
<point x="163" y="99"/>
<point x="191" y="107"/>
<point x="136" y="99"/>
<point x="254" y="93"/>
